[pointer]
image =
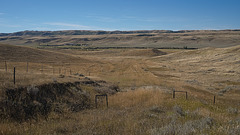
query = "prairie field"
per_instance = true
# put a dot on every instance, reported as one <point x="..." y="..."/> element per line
<point x="78" y="39"/>
<point x="55" y="89"/>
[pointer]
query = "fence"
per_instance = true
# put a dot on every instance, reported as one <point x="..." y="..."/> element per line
<point x="47" y="68"/>
<point x="31" y="67"/>
<point x="96" y="99"/>
<point x="15" y="70"/>
<point x="174" y="91"/>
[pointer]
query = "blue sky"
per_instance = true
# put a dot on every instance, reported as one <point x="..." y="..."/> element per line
<point x="20" y="15"/>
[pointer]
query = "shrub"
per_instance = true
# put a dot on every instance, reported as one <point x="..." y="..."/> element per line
<point x="190" y="127"/>
<point x="26" y="103"/>
<point x="178" y="110"/>
<point x="232" y="110"/>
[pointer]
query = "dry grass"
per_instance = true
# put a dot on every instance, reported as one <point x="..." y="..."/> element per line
<point x="34" y="76"/>
<point x="139" y="97"/>
<point x="145" y="105"/>
<point x="199" y="39"/>
<point x="135" y="112"/>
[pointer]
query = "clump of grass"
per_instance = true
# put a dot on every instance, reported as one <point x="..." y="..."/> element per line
<point x="231" y="110"/>
<point x="189" y="127"/>
<point x="230" y="128"/>
<point x="234" y="127"/>
<point x="157" y="109"/>
<point x="178" y="110"/>
<point x="223" y="91"/>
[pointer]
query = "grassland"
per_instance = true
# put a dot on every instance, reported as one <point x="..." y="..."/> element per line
<point x="147" y="39"/>
<point x="144" y="103"/>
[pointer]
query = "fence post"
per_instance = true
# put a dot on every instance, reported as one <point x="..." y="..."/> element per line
<point x="42" y="68"/>
<point x="107" y="100"/>
<point x="104" y="95"/>
<point x="27" y="67"/>
<point x="96" y="100"/>
<point x="14" y="75"/>
<point x="6" y="66"/>
<point x="186" y="96"/>
<point x="173" y="93"/>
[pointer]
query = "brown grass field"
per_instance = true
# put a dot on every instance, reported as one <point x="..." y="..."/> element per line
<point x="153" y="38"/>
<point x="143" y="103"/>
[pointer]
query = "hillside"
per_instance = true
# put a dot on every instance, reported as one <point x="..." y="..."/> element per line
<point x="78" y="39"/>
<point x="215" y="70"/>
<point x="23" y="54"/>
<point x="82" y="32"/>
<point x="56" y="95"/>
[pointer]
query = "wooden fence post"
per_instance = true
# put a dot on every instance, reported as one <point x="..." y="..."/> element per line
<point x="107" y="100"/>
<point x="6" y="66"/>
<point x="27" y="67"/>
<point x="42" y="68"/>
<point x="104" y="95"/>
<point x="96" y="101"/>
<point x="14" y="75"/>
<point x="173" y="93"/>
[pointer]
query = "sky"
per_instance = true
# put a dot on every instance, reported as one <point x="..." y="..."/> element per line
<point x="110" y="15"/>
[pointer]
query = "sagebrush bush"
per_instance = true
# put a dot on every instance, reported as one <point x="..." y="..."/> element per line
<point x="178" y="110"/>
<point x="232" y="110"/>
<point x="189" y="127"/>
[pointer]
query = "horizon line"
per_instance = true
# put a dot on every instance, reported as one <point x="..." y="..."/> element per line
<point x="126" y="30"/>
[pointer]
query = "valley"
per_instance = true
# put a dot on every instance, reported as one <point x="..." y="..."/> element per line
<point x="139" y="83"/>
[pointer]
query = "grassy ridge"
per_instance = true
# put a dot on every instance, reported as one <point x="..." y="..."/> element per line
<point x="128" y="39"/>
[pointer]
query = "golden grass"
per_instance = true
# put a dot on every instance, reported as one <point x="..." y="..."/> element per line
<point x="138" y="97"/>
<point x="138" y="111"/>
<point x="122" y="117"/>
<point x="133" y="112"/>
<point x="198" y="39"/>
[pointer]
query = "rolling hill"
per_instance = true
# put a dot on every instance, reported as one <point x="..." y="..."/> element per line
<point x="22" y="54"/>
<point x="77" y="39"/>
<point x="64" y="102"/>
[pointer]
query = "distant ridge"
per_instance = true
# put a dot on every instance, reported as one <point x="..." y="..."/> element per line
<point x="99" y="32"/>
<point x="88" y="39"/>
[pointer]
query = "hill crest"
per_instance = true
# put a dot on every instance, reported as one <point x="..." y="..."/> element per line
<point x="100" y="32"/>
